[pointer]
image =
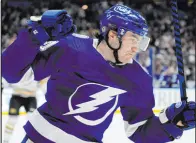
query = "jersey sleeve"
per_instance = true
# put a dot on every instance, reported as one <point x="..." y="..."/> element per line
<point x="20" y="56"/>
<point x="17" y="58"/>
<point x="147" y="128"/>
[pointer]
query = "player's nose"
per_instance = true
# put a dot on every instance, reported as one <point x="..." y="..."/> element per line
<point x="134" y="49"/>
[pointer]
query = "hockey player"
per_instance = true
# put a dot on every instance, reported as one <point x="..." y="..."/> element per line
<point x="23" y="94"/>
<point x="90" y="79"/>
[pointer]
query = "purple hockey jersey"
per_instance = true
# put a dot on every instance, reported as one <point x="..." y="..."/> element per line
<point x="83" y="92"/>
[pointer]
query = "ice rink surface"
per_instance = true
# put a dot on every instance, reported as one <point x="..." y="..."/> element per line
<point x="114" y="134"/>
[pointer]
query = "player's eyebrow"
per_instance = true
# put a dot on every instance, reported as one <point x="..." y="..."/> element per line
<point x="136" y="36"/>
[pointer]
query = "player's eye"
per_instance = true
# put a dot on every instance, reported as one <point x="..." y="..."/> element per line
<point x="134" y="40"/>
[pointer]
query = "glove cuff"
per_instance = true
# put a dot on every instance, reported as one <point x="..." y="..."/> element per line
<point x="39" y="34"/>
<point x="162" y="116"/>
<point x="172" y="130"/>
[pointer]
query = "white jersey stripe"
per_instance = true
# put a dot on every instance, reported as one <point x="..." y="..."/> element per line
<point x="131" y="128"/>
<point x="50" y="131"/>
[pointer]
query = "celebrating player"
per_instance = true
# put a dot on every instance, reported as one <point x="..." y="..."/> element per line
<point x="90" y="79"/>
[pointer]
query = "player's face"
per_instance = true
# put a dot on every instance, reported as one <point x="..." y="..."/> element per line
<point x="129" y="47"/>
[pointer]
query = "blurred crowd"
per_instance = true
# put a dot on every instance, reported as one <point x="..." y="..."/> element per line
<point x="86" y="17"/>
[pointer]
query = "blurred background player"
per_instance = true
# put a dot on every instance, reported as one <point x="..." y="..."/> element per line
<point x="23" y="94"/>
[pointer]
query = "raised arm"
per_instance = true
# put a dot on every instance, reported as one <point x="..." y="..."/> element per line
<point x="17" y="58"/>
<point x="28" y="49"/>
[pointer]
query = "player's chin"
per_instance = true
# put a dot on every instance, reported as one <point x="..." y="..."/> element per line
<point x="126" y="59"/>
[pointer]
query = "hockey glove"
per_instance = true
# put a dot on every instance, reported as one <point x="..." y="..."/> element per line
<point x="182" y="115"/>
<point x="52" y="25"/>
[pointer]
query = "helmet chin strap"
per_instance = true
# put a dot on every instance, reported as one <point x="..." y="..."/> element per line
<point x="115" y="51"/>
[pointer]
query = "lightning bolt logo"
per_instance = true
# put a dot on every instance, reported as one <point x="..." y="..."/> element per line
<point x="99" y="99"/>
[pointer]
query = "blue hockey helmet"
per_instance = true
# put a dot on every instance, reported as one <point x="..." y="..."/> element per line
<point x="122" y="19"/>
